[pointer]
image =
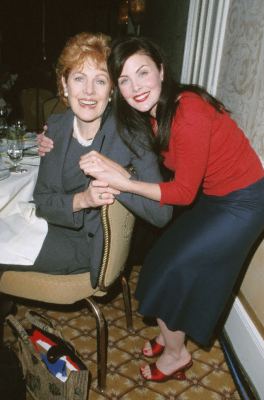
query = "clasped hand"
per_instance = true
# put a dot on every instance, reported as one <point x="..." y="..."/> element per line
<point x="105" y="170"/>
<point x="97" y="194"/>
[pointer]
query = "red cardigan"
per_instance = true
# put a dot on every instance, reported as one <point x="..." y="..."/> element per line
<point x="206" y="148"/>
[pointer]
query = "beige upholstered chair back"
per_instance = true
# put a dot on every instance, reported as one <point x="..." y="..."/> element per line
<point x="118" y="223"/>
<point x="53" y="106"/>
<point x="31" y="101"/>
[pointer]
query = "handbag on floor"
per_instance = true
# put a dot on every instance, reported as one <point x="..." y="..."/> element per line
<point x="51" y="367"/>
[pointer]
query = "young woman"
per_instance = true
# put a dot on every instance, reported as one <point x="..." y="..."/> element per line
<point x="188" y="276"/>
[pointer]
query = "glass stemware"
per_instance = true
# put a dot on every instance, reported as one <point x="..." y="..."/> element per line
<point x="15" y="150"/>
<point x="19" y="126"/>
<point x="3" y="124"/>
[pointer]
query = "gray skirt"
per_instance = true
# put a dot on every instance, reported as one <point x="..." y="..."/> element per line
<point x="188" y="276"/>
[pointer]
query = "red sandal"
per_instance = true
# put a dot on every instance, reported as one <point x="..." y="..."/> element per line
<point x="158" y="376"/>
<point x="156" y="348"/>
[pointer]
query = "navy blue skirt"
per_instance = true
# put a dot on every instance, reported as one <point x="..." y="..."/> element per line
<point x="188" y="276"/>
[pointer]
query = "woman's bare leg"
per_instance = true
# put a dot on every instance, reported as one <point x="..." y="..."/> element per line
<point x="147" y="350"/>
<point x="175" y="354"/>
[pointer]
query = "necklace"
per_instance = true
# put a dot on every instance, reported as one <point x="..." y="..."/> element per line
<point x="77" y="135"/>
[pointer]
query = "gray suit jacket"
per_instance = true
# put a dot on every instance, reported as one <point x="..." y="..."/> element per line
<point x="74" y="240"/>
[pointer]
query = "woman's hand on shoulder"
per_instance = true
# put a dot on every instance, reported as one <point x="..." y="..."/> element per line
<point x="45" y="144"/>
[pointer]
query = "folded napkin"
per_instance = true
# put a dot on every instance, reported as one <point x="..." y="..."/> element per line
<point x="21" y="235"/>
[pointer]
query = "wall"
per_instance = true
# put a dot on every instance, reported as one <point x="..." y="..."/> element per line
<point x="165" y="22"/>
<point x="224" y="52"/>
<point x="25" y="25"/>
<point x="241" y="87"/>
<point x="241" y="81"/>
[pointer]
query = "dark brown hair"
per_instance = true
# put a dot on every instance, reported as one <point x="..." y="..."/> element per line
<point x="135" y="121"/>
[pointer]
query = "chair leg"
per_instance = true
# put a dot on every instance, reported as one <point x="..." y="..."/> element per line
<point x="1" y="333"/>
<point x="101" y="327"/>
<point x="127" y="302"/>
<point x="6" y="306"/>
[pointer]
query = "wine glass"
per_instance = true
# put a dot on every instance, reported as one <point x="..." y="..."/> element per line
<point x="15" y="150"/>
<point x="20" y="126"/>
<point x="3" y="124"/>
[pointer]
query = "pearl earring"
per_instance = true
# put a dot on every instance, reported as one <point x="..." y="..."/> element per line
<point x="65" y="94"/>
<point x="110" y="97"/>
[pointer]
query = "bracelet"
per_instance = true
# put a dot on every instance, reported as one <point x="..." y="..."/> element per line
<point x="131" y="170"/>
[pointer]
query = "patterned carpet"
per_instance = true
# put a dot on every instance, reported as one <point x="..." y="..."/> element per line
<point x="209" y="377"/>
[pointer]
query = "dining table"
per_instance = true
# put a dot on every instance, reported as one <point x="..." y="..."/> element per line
<point x="21" y="231"/>
<point x="17" y="187"/>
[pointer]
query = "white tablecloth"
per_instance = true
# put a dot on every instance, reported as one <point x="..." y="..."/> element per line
<point x="21" y="232"/>
<point x="17" y="187"/>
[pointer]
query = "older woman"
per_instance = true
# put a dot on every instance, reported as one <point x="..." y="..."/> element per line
<point x="65" y="197"/>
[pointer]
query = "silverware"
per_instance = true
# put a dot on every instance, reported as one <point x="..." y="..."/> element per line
<point x="30" y="147"/>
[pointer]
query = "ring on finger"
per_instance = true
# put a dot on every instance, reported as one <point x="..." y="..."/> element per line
<point x="100" y="196"/>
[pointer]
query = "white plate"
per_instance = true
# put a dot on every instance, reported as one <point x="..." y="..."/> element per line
<point x="27" y="145"/>
<point x="31" y="152"/>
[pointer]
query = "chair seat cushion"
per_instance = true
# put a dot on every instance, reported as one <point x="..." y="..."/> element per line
<point x="57" y="289"/>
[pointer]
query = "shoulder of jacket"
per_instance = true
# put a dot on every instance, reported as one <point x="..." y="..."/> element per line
<point x="60" y="121"/>
<point x="54" y="118"/>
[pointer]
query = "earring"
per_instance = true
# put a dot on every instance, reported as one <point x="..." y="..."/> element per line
<point x="65" y="93"/>
<point x="110" y="97"/>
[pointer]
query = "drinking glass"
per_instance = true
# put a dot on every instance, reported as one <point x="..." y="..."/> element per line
<point x="19" y="126"/>
<point x="15" y="151"/>
<point x="3" y="125"/>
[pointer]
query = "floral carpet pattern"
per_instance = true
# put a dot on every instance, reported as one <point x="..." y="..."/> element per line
<point x="209" y="377"/>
